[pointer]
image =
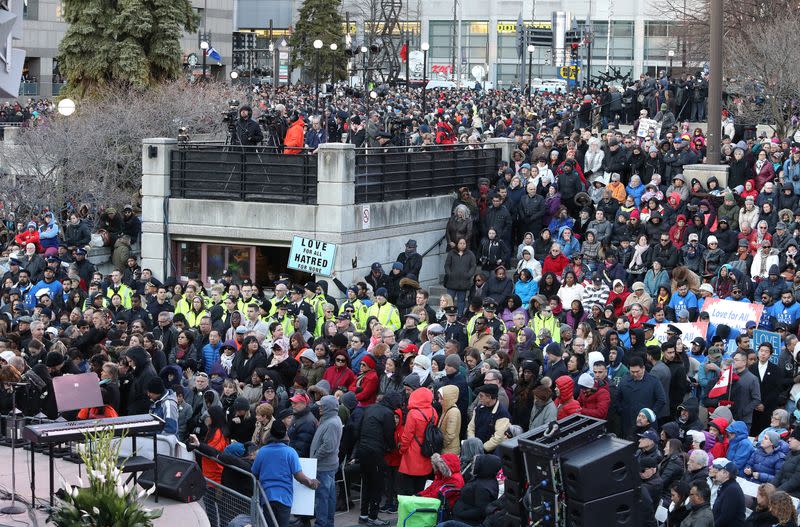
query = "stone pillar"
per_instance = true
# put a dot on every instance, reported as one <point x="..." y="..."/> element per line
<point x="506" y="144"/>
<point x="335" y="211"/>
<point x="638" y="46"/>
<point x="156" y="154"/>
<point x="703" y="172"/>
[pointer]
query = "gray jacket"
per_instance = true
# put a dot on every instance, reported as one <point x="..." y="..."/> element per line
<point x="746" y="395"/>
<point x="661" y="372"/>
<point x="543" y="417"/>
<point x="325" y="445"/>
<point x="702" y="517"/>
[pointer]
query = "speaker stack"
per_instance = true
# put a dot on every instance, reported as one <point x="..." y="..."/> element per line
<point x="570" y="474"/>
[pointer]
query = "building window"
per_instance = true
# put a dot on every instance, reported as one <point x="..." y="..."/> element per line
<point x="30" y="9"/>
<point x="474" y="44"/>
<point x="659" y="38"/>
<point x="621" y="40"/>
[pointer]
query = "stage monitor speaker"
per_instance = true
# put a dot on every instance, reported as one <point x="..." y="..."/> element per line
<point x="602" y="468"/>
<point x="619" y="510"/>
<point x="510" y="454"/>
<point x="178" y="479"/>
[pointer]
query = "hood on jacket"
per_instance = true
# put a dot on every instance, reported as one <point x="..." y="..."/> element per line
<point x="449" y="396"/>
<point x="309" y="354"/>
<point x="349" y="400"/>
<point x="303" y="325"/>
<point x="408" y="282"/>
<point x="739" y="428"/>
<point x="139" y="356"/>
<point x="392" y="400"/>
<point x="486" y="466"/>
<point x="329" y="405"/>
<point x="218" y="369"/>
<point x="420" y="398"/>
<point x="671" y="430"/>
<point x="693" y="407"/>
<point x="721" y="424"/>
<point x="565" y="387"/>
<point x="446" y="464"/>
<point x="680" y="217"/>
<point x="176" y="372"/>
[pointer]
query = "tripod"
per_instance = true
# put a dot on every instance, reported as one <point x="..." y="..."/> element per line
<point x="14" y="508"/>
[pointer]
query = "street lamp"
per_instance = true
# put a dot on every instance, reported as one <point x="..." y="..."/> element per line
<point x="333" y="47"/>
<point x="671" y="54"/>
<point x="531" y="48"/>
<point x="424" y="47"/>
<point x="234" y="75"/>
<point x="318" y="46"/>
<point x="364" y="50"/>
<point x="66" y="107"/>
<point x="204" y="47"/>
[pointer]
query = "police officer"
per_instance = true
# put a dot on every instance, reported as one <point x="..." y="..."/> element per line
<point x="453" y="329"/>
<point x="492" y="322"/>
<point x="246" y="131"/>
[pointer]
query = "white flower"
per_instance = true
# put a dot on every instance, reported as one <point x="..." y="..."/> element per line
<point x="80" y="482"/>
<point x="151" y="490"/>
<point x="120" y="491"/>
<point x="74" y="492"/>
<point x="95" y="510"/>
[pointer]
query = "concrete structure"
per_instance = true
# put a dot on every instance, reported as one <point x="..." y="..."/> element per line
<point x="44" y="27"/>
<point x="219" y="227"/>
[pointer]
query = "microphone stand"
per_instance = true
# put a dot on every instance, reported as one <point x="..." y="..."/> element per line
<point x="14" y="508"/>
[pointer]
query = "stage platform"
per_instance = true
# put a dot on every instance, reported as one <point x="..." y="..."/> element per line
<point x="174" y="513"/>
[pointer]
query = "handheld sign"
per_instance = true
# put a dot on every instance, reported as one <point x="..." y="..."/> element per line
<point x="312" y="256"/>
<point x="731" y="313"/>
<point x="760" y="336"/>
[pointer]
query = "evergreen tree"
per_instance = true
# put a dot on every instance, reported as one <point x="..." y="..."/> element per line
<point x="318" y="19"/>
<point x="133" y="43"/>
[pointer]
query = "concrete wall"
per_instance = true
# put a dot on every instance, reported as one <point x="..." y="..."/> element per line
<point x="336" y="218"/>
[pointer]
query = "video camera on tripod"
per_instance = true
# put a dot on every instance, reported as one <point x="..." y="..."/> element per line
<point x="230" y="115"/>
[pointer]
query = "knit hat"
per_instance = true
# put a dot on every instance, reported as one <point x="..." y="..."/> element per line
<point x="381" y="291"/>
<point x="412" y="381"/>
<point x="278" y="430"/>
<point x="439" y="341"/>
<point x="369" y="360"/>
<point x="423" y="362"/>
<point x="649" y="414"/>
<point x="774" y="438"/>
<point x="240" y="404"/>
<point x="235" y="449"/>
<point x="454" y="361"/>
<point x="711" y="239"/>
<point x="593" y="357"/>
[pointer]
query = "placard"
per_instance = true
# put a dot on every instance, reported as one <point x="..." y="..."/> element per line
<point x="689" y="331"/>
<point x="312" y="256"/>
<point x="731" y="313"/>
<point x="645" y="125"/>
<point x="303" y="498"/>
<point x="761" y="335"/>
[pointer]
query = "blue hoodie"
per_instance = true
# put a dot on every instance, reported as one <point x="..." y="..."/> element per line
<point x="739" y="446"/>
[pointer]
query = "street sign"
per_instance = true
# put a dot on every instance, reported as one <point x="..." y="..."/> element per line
<point x="569" y="72"/>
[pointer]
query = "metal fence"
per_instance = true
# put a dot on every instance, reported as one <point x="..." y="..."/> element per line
<point x="223" y="504"/>
<point x="405" y="173"/>
<point x="237" y="173"/>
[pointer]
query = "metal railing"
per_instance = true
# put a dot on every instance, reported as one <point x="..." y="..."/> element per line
<point x="28" y="88"/>
<point x="223" y="504"/>
<point x="242" y="173"/>
<point x="386" y="174"/>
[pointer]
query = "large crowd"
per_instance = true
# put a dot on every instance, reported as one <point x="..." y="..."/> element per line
<point x="561" y="269"/>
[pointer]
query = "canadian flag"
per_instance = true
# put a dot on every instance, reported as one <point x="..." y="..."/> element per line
<point x="404" y="53"/>
<point x="724" y="382"/>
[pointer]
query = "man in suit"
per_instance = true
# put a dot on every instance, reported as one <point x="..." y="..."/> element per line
<point x="772" y="383"/>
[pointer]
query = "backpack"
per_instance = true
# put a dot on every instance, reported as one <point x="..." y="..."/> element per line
<point x="433" y="440"/>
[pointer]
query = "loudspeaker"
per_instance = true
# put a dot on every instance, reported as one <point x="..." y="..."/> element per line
<point x="178" y="479"/>
<point x="602" y="468"/>
<point x="513" y="492"/>
<point x="510" y="454"/>
<point x="618" y="510"/>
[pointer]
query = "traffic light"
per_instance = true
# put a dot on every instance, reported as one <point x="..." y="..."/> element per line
<point x="574" y="50"/>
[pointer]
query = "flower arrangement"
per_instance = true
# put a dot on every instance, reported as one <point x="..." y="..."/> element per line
<point x="106" y="502"/>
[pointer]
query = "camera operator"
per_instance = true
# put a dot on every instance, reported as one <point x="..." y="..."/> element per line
<point x="245" y="130"/>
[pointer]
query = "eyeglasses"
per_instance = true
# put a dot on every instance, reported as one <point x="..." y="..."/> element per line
<point x="341" y="361"/>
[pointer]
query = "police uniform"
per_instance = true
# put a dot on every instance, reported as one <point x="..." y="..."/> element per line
<point x="456" y="330"/>
<point x="497" y="326"/>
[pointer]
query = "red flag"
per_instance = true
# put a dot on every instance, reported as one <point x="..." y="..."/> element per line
<point x="404" y="53"/>
<point x="724" y="382"/>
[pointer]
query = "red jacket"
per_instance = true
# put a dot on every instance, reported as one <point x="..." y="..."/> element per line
<point x="420" y="411"/>
<point x="25" y="237"/>
<point x="393" y="457"/>
<point x="595" y="404"/>
<point x="368" y="382"/>
<point x="447" y="473"/>
<point x="720" y="448"/>
<point x="339" y="376"/>
<point x="566" y="404"/>
<point x="555" y="265"/>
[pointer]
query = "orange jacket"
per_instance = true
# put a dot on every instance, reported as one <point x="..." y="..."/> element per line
<point x="211" y="469"/>
<point x="295" y="137"/>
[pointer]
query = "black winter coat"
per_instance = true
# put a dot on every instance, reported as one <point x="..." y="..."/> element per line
<point x="479" y="492"/>
<point x="377" y="429"/>
<point x="301" y="433"/>
<point x="243" y="367"/>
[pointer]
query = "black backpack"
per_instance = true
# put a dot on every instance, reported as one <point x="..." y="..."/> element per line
<point x="433" y="441"/>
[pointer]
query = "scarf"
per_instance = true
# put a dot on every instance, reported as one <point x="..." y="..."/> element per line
<point x="638" y="252"/>
<point x="226" y="361"/>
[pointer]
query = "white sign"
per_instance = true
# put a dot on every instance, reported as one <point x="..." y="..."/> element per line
<point x="645" y="125"/>
<point x="312" y="256"/>
<point x="733" y="314"/>
<point x="366" y="216"/>
<point x="303" y="498"/>
<point x="416" y="60"/>
<point x="689" y="331"/>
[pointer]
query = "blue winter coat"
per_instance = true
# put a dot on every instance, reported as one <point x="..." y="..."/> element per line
<point x="791" y="174"/>
<point x="526" y="290"/>
<point x="739" y="446"/>
<point x="767" y="465"/>
<point x="48" y="235"/>
<point x="636" y="193"/>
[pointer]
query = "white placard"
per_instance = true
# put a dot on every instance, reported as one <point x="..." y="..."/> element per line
<point x="366" y="216"/>
<point x="312" y="256"/>
<point x="645" y="125"/>
<point x="303" y="499"/>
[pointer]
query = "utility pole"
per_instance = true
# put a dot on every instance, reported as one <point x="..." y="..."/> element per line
<point x="453" y="43"/>
<point x="715" y="84"/>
